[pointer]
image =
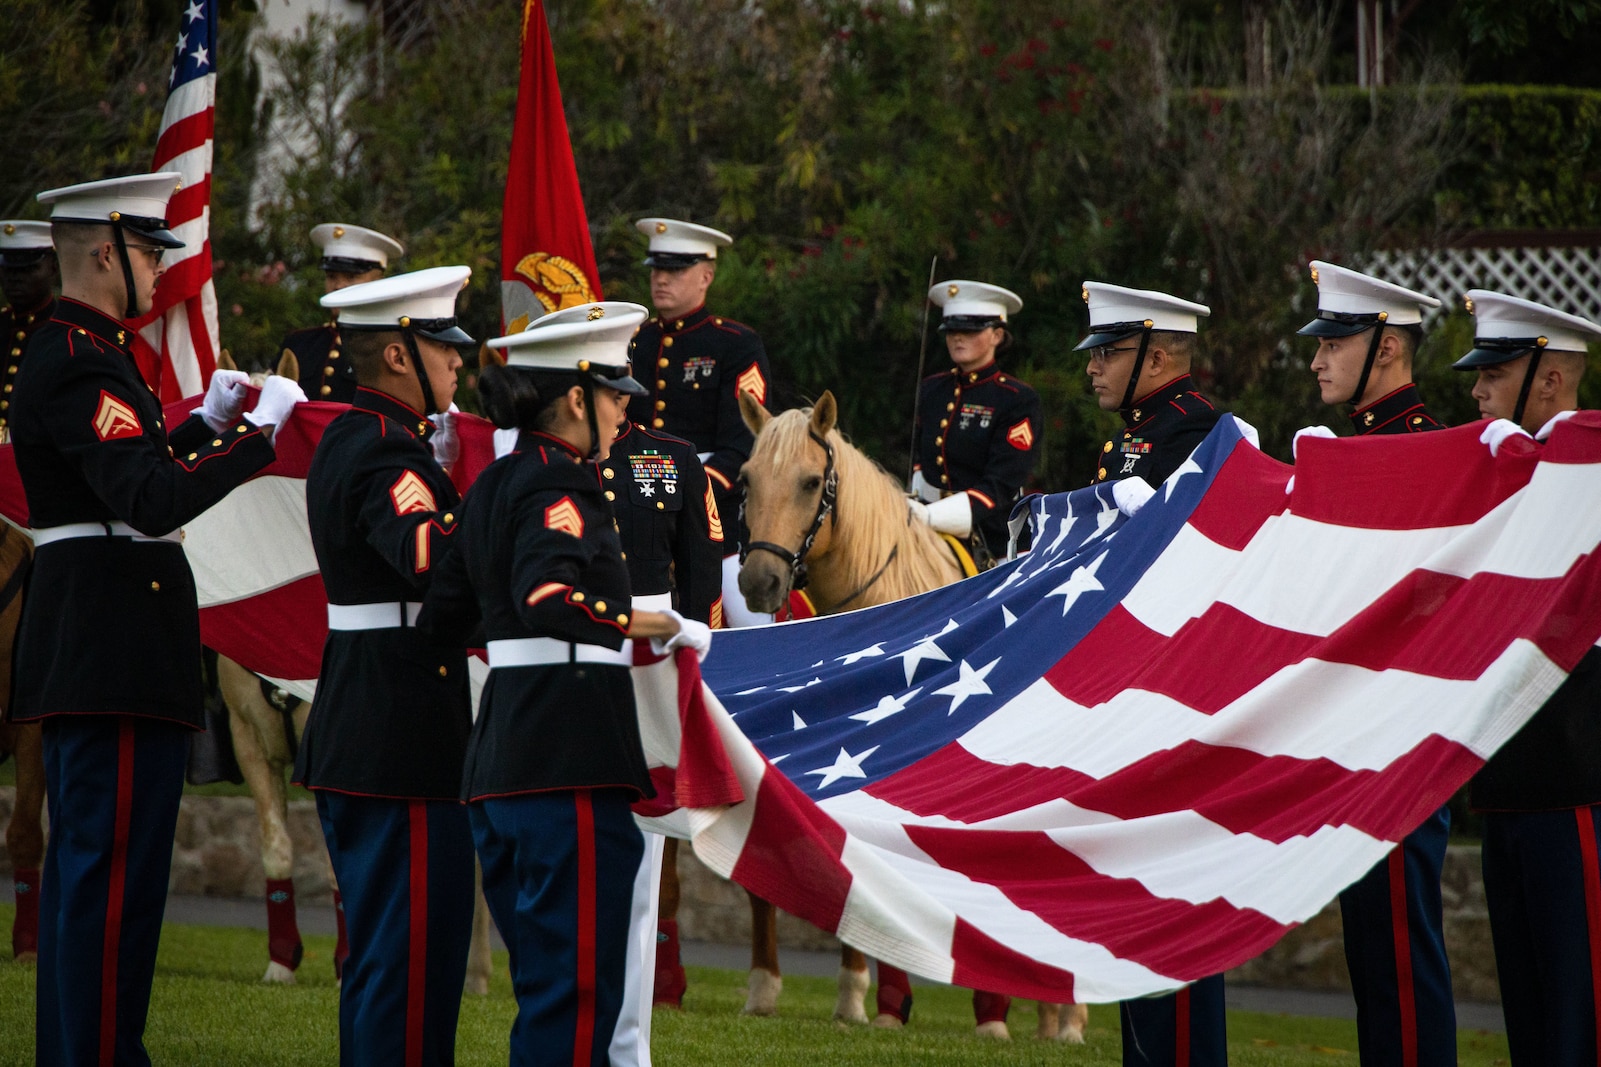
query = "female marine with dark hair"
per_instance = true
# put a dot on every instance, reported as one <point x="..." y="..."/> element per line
<point x="555" y="759"/>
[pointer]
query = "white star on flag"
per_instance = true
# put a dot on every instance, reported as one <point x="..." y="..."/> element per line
<point x="194" y="11"/>
<point x="1082" y="581"/>
<point x="970" y="684"/>
<point x="852" y="657"/>
<point x="199" y="55"/>
<point x="1007" y="618"/>
<point x="1103" y="520"/>
<point x="800" y="723"/>
<point x="887" y="706"/>
<point x="798" y="688"/>
<point x="183" y="41"/>
<point x="926" y="649"/>
<point x="845" y="766"/>
<point x="1189" y="467"/>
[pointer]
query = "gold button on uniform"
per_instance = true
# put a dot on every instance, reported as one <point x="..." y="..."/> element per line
<point x="327" y="372"/>
<point x="155" y="587"/>
<point x="610" y="495"/>
<point x="667" y="342"/>
<point x="661" y="405"/>
<point x="600" y="605"/>
<point x="657" y="423"/>
<point x="194" y="455"/>
<point x="325" y="390"/>
<point x="939" y="441"/>
<point x="1107" y="447"/>
<point x="944" y="423"/>
<point x="578" y="597"/>
<point x="622" y="620"/>
<point x="608" y="472"/>
<point x="1101" y="473"/>
<point x="660" y="384"/>
<point x="662" y="362"/>
<point x="950" y="407"/>
<point x="660" y="506"/>
<point x="450" y="516"/>
<point x="443" y="672"/>
<point x="1136" y="414"/>
<point x="217" y="443"/>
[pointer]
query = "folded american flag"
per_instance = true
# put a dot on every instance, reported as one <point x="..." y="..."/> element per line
<point x="1135" y="757"/>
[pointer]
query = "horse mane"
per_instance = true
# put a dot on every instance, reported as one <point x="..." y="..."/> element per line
<point x="871" y="517"/>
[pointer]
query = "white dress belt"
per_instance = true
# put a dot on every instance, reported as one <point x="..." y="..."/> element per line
<point x="45" y="535"/>
<point x="543" y="651"/>
<point x="391" y="616"/>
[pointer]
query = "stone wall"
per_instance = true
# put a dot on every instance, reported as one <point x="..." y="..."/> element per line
<point x="218" y="845"/>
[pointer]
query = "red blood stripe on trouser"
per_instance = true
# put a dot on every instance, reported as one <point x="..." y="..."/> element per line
<point x="584" y="1032"/>
<point x="114" y="893"/>
<point x="1588" y="861"/>
<point x="1405" y="993"/>
<point x="417" y="954"/>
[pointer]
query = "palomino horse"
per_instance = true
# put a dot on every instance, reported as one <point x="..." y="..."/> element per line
<point x="822" y="513"/>
<point x="267" y="725"/>
<point x="25" y="831"/>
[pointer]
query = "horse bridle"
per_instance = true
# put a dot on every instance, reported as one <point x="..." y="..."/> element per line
<point x="796" y="560"/>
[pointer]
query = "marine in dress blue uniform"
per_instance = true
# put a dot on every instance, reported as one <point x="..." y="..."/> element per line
<point x="672" y="538"/>
<point x="1541" y="793"/>
<point x="978" y="428"/>
<point x="28" y="273"/>
<point x="555" y="758"/>
<point x="1367" y="331"/>
<point x="108" y="652"/>
<point x="351" y="255"/>
<point x="694" y="365"/>
<point x="387" y="733"/>
<point x="1140" y="346"/>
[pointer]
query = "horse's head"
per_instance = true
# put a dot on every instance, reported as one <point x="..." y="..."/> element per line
<point x="787" y="497"/>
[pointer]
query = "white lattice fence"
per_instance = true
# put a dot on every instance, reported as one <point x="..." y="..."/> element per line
<point x="1566" y="278"/>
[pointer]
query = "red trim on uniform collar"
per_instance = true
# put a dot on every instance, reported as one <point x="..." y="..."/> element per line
<point x="389" y="406"/>
<point x="1167" y="385"/>
<point x="694" y="316"/>
<point x="1382" y="399"/>
<point x="552" y="438"/>
<point x="77" y="314"/>
<point x="628" y="428"/>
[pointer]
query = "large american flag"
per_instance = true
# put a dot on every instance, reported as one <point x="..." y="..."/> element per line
<point x="176" y="343"/>
<point x="1134" y="757"/>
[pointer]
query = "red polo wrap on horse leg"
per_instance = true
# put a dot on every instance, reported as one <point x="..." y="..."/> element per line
<point x="671" y="982"/>
<point x="990" y="1007"/>
<point x="25" y="926"/>
<point x="894" y="992"/>
<point x="283" y="932"/>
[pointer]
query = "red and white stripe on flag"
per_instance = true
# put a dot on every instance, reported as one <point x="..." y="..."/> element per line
<point x="177" y="342"/>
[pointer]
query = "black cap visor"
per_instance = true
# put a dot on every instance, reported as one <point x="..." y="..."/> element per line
<point x="1338" y="324"/>
<point x="673" y="260"/>
<point x="445" y="331"/>
<point x="346" y="265"/>
<point x="1109" y="334"/>
<point x="21" y="257"/>
<point x="969" y="323"/>
<point x="1488" y="351"/>
<point x="617" y="378"/>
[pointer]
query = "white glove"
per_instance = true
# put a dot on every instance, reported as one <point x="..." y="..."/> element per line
<point x="278" y="398"/>
<point x="1248" y="432"/>
<point x="918" y="509"/>
<point x="505" y="442"/>
<point x="1496" y="434"/>
<point x="225" y="399"/>
<point x="953" y="515"/>
<point x="1309" y="431"/>
<point x="691" y="634"/>
<point x="446" y="445"/>
<point x="1131" y="494"/>
<point x="1561" y="416"/>
<point x="921" y="489"/>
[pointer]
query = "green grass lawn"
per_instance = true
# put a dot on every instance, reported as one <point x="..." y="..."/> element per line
<point x="208" y="1008"/>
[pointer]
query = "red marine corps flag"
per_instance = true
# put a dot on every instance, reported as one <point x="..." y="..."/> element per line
<point x="176" y="344"/>
<point x="546" y="260"/>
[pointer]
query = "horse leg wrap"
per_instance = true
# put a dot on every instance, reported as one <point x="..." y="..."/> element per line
<point x="283" y="933"/>
<point x="342" y="947"/>
<point x="25" y="927"/>
<point x="894" y="993"/>
<point x="670" y="978"/>
<point x="990" y="1007"/>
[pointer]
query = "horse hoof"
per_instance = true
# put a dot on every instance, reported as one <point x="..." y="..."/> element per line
<point x="994" y="1029"/>
<point x="1071" y="1036"/>
<point x="850" y="1007"/>
<point x="1075" y="1017"/>
<point x="27" y="959"/>
<point x="278" y="974"/>
<point x="477" y="985"/>
<point x="886" y="1021"/>
<point x="764" y="987"/>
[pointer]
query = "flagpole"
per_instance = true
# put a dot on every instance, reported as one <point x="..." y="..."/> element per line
<point x="917" y="384"/>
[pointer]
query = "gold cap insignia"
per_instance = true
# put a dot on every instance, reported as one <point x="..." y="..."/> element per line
<point x="339" y="231"/>
<point x="952" y="290"/>
<point x="1085" y="293"/>
<point x="1314" y="275"/>
<point x="596" y="312"/>
<point x="661" y="227"/>
<point x="1467" y="304"/>
<point x="10" y="229"/>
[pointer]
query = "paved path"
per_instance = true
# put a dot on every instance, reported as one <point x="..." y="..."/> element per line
<point x="215" y="911"/>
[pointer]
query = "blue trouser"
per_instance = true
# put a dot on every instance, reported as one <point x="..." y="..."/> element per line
<point x="1183" y="1029"/>
<point x="405" y="872"/>
<point x="559" y="875"/>
<point x="113" y="784"/>
<point x="1395" y="948"/>
<point x="1542" y="882"/>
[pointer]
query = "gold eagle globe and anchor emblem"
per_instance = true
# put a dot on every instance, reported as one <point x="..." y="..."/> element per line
<point x="556" y="281"/>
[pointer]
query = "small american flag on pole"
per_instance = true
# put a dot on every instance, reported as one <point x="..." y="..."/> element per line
<point x="176" y="343"/>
